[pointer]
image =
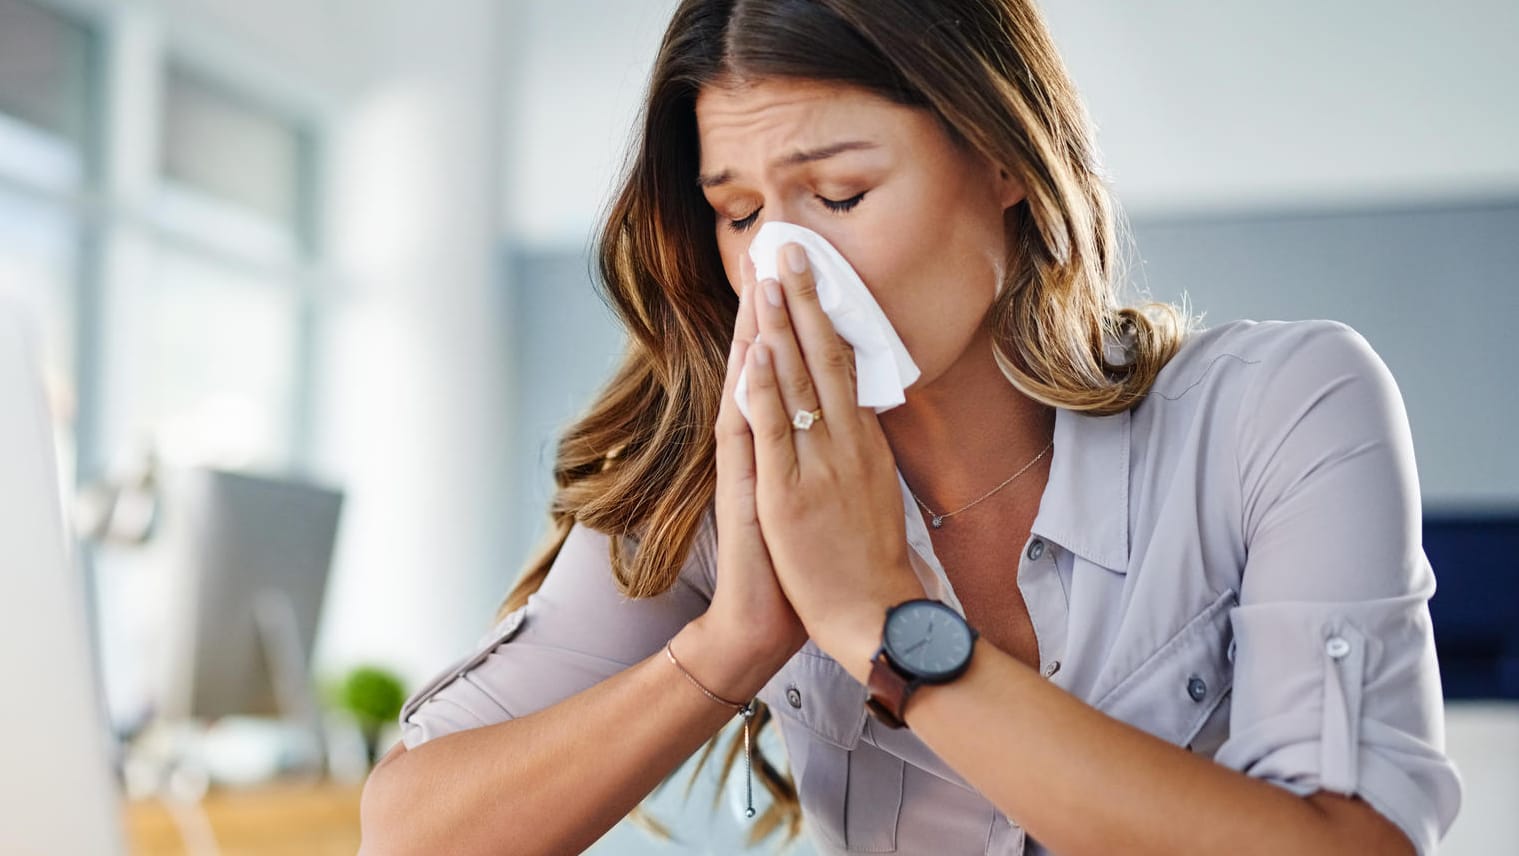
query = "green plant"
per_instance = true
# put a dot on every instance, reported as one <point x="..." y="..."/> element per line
<point x="373" y="696"/>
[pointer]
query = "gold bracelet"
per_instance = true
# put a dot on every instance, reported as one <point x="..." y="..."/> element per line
<point x="744" y="710"/>
<point x="737" y="708"/>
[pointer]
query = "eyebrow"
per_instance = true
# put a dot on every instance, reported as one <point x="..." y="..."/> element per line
<point x="793" y="159"/>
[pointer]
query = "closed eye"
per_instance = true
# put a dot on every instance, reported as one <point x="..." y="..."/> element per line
<point x="843" y="207"/>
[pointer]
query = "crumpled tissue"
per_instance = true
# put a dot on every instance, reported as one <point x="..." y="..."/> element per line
<point x="883" y="368"/>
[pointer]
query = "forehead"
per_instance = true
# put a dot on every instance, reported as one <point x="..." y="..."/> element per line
<point x="779" y="112"/>
<point x="724" y="101"/>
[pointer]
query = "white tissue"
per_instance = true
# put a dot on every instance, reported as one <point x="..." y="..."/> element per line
<point x="883" y="368"/>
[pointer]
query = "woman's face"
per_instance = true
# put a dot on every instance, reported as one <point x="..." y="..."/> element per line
<point x="920" y="219"/>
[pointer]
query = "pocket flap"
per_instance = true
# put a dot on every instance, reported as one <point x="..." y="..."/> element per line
<point x="1174" y="690"/>
<point x="815" y="690"/>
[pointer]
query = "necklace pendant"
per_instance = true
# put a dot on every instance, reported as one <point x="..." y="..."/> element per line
<point x="938" y="521"/>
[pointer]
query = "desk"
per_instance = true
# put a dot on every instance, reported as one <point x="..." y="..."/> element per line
<point x="276" y="820"/>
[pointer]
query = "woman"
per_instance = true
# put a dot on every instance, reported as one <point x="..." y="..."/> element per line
<point x="1192" y="557"/>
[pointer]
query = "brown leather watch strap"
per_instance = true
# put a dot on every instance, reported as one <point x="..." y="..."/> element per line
<point x="889" y="691"/>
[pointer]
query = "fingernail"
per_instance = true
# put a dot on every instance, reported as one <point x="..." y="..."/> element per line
<point x="761" y="354"/>
<point x="773" y="292"/>
<point x="796" y="257"/>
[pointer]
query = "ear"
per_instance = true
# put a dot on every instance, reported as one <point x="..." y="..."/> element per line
<point x="1010" y="189"/>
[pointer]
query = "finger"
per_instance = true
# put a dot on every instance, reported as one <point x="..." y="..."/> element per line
<point x="735" y="444"/>
<point x="829" y="359"/>
<point x="729" y="419"/>
<point x="745" y="329"/>
<point x="774" y="451"/>
<point x="747" y="325"/>
<point x="735" y="457"/>
<point x="790" y="369"/>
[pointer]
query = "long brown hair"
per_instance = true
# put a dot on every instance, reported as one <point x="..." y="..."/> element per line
<point x="640" y="464"/>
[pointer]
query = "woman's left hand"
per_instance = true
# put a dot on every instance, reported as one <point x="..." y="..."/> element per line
<point x="829" y="504"/>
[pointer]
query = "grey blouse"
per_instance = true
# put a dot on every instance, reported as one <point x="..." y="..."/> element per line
<point x="1234" y="566"/>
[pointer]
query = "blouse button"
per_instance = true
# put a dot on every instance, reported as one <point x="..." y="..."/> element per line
<point x="1052" y="668"/>
<point x="1337" y="647"/>
<point x="1035" y="550"/>
<point x="794" y="697"/>
<point x="1197" y="688"/>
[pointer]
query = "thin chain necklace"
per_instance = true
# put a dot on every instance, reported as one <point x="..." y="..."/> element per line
<point x="938" y="519"/>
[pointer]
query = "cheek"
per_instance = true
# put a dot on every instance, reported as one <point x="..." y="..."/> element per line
<point x="731" y="249"/>
<point x="901" y="261"/>
<point x="933" y="284"/>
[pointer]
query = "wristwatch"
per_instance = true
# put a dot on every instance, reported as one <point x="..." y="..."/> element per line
<point x="924" y="641"/>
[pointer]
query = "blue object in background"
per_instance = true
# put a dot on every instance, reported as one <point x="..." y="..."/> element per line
<point x="1475" y="608"/>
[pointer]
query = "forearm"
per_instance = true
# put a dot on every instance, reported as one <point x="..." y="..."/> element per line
<point x="556" y="780"/>
<point x="1080" y="781"/>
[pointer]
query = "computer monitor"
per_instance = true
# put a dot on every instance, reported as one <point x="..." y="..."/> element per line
<point x="249" y="558"/>
<point x="58" y="793"/>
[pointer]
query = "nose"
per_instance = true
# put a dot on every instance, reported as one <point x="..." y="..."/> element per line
<point x="782" y="208"/>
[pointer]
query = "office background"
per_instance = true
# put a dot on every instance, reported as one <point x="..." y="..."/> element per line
<point x="350" y="240"/>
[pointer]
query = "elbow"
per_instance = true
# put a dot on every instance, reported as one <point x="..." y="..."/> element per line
<point x="379" y="832"/>
<point x="1352" y="825"/>
<point x="372" y="835"/>
<point x="382" y="825"/>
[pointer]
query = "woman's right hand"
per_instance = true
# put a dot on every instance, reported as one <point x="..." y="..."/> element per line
<point x="748" y="607"/>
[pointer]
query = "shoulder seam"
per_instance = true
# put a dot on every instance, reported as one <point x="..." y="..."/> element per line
<point x="1204" y="374"/>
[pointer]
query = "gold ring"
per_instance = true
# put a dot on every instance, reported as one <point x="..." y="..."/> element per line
<point x="804" y="419"/>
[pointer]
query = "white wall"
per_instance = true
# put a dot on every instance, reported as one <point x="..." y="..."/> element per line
<point x="413" y="387"/>
<point x="579" y="71"/>
<point x="1207" y="105"/>
<point x="1200" y="105"/>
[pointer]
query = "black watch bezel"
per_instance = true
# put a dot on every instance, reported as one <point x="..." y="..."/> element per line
<point x="913" y="675"/>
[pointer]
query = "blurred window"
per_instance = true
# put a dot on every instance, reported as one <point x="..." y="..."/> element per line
<point x="214" y="328"/>
<point x="44" y="85"/>
<point x="233" y="171"/>
<point x="212" y="352"/>
<point x="175" y="318"/>
<point x="45" y="97"/>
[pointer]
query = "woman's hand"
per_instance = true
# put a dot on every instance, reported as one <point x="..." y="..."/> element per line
<point x="748" y="608"/>
<point x="828" y="499"/>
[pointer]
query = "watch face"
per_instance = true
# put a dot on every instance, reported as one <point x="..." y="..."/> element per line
<point x="928" y="638"/>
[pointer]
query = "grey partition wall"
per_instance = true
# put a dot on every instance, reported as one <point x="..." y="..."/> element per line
<point x="565" y="344"/>
<point x="1435" y="291"/>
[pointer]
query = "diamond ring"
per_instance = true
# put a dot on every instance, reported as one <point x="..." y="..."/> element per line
<point x="803" y="419"/>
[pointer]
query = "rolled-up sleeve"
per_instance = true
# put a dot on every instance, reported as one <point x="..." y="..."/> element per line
<point x="1336" y="685"/>
<point x="574" y="632"/>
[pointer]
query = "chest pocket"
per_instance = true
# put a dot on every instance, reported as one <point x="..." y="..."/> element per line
<point x="850" y="791"/>
<point x="1184" y="685"/>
